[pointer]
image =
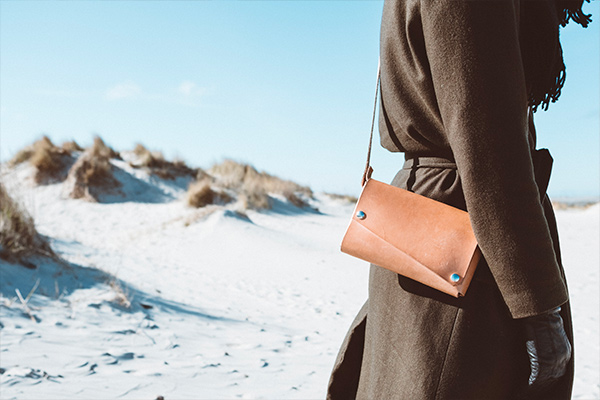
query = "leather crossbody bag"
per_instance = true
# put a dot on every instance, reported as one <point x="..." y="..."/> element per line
<point x="415" y="236"/>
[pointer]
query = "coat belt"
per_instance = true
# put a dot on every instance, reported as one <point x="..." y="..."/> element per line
<point x="542" y="166"/>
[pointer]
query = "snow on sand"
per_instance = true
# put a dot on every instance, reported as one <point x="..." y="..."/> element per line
<point x="226" y="307"/>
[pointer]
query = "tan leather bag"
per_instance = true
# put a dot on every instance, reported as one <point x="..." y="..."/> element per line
<point x="412" y="235"/>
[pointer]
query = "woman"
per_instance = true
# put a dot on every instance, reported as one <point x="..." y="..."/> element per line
<point x="460" y="80"/>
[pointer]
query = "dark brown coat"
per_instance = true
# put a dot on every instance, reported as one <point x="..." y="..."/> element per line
<point x="453" y="86"/>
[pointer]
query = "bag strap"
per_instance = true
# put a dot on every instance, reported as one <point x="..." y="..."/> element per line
<point x="368" y="169"/>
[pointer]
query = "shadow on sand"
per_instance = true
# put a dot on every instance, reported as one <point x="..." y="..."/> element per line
<point x="54" y="279"/>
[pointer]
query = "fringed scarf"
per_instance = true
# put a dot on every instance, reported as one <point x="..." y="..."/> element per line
<point x="545" y="69"/>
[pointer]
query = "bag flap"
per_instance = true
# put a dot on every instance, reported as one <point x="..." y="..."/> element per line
<point x="432" y="233"/>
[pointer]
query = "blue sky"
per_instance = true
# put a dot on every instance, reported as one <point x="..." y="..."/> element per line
<point x="284" y="85"/>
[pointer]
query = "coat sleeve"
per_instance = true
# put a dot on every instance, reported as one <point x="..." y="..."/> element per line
<point x="477" y="72"/>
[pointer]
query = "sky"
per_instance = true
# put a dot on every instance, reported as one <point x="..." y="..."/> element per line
<point x="284" y="85"/>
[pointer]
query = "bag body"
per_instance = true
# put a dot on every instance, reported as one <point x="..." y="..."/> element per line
<point x="414" y="236"/>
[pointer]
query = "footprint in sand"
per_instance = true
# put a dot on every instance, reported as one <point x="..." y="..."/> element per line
<point x="113" y="360"/>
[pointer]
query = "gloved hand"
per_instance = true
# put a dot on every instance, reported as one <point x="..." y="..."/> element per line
<point x="548" y="348"/>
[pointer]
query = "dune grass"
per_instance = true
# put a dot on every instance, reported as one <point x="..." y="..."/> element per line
<point x="101" y="150"/>
<point x="71" y="146"/>
<point x="50" y="161"/>
<point x="254" y="188"/>
<point x="201" y="193"/>
<point x="343" y="197"/>
<point x="18" y="236"/>
<point x="97" y="169"/>
<point x="155" y="163"/>
<point x="92" y="173"/>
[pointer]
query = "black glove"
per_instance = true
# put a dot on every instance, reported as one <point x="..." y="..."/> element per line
<point x="548" y="348"/>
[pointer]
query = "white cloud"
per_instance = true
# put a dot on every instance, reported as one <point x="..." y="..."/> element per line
<point x="123" y="91"/>
<point x="186" y="87"/>
<point x="187" y="93"/>
<point x="189" y="88"/>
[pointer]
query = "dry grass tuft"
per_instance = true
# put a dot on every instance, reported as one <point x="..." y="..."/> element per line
<point x="201" y="194"/>
<point x="343" y="197"/>
<point x="71" y="146"/>
<point x="46" y="156"/>
<point x="121" y="296"/>
<point x="576" y="205"/>
<point x="101" y="150"/>
<point x="202" y="174"/>
<point x="92" y="173"/>
<point x="97" y="170"/>
<point x="18" y="236"/>
<point x="254" y="187"/>
<point x="231" y="174"/>
<point x="293" y="198"/>
<point x="21" y="156"/>
<point x="140" y="150"/>
<point x="50" y="161"/>
<point x="156" y="163"/>
<point x="253" y="196"/>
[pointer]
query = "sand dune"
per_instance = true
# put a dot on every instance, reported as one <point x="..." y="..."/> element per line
<point x="227" y="306"/>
